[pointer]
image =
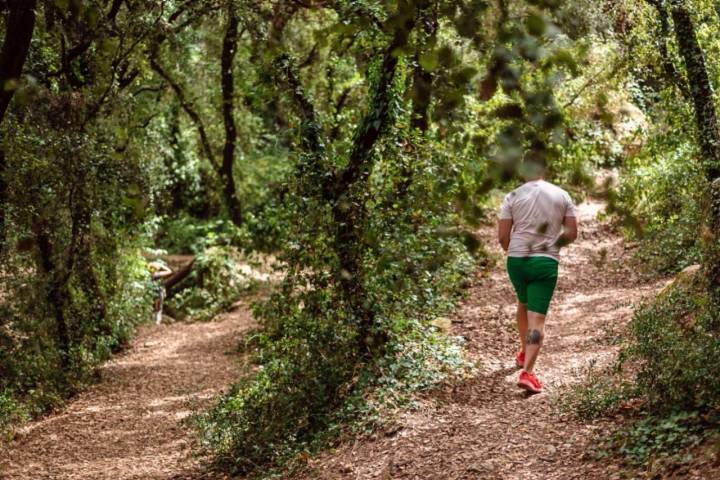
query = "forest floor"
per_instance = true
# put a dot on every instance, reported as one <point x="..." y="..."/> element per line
<point x="131" y="425"/>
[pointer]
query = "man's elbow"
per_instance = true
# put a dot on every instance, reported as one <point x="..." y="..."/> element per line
<point x="571" y="235"/>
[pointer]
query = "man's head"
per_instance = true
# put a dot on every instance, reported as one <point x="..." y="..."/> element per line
<point x="533" y="167"/>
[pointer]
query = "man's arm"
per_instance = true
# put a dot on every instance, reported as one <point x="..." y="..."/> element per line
<point x="504" y="229"/>
<point x="570" y="231"/>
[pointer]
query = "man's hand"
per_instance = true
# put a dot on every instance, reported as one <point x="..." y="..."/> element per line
<point x="570" y="232"/>
<point x="504" y="229"/>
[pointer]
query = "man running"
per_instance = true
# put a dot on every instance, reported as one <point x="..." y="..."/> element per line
<point x="536" y="220"/>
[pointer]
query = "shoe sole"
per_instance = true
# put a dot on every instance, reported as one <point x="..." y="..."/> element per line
<point x="519" y="365"/>
<point x="527" y="386"/>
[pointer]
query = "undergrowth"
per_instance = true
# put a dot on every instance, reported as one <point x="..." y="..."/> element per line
<point x="311" y="389"/>
<point x="217" y="281"/>
<point x="664" y="382"/>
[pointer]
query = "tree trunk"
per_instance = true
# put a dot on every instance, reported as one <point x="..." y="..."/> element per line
<point x="18" y="34"/>
<point x="56" y="291"/>
<point x="350" y="197"/>
<point x="347" y="191"/>
<point x="176" y="278"/>
<point x="422" y="88"/>
<point x="423" y="79"/>
<point x="663" y="34"/>
<point x="228" y="92"/>
<point x="313" y="168"/>
<point x="707" y="127"/>
<point x="20" y="26"/>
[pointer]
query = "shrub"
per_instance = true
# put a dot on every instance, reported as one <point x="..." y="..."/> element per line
<point x="31" y="380"/>
<point x="670" y="355"/>
<point x="185" y="234"/>
<point x="11" y="414"/>
<point x="601" y="395"/>
<point x="661" y="189"/>
<point x="672" y="345"/>
<point x="658" y="442"/>
<point x="216" y="282"/>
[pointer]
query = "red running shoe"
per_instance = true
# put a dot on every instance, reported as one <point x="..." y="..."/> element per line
<point x="520" y="359"/>
<point x="529" y="382"/>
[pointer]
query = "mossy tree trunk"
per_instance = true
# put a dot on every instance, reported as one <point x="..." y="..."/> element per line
<point x="347" y="190"/>
<point x="229" y="50"/>
<point x="20" y="24"/>
<point x="707" y="127"/>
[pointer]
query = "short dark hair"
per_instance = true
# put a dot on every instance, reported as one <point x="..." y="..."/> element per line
<point x="534" y="164"/>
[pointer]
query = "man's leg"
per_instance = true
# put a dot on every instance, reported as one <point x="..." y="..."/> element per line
<point x="534" y="339"/>
<point x="540" y="293"/>
<point x="522" y="322"/>
<point x="516" y="271"/>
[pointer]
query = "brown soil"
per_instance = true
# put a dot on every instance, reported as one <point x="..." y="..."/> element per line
<point x="487" y="428"/>
<point x="131" y="425"/>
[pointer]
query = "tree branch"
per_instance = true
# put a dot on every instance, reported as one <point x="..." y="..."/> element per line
<point x="189" y="109"/>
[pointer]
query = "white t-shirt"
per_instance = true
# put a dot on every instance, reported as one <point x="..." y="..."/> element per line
<point x="537" y="209"/>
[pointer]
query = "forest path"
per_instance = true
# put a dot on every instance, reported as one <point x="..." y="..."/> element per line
<point x="130" y="425"/>
<point x="487" y="428"/>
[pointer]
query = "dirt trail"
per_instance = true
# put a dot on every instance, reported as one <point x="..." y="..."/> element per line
<point x="130" y="426"/>
<point x="487" y="428"/>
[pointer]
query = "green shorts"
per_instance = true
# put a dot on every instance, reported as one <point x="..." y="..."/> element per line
<point x="534" y="279"/>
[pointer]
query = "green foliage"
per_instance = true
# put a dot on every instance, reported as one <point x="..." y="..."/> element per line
<point x="662" y="188"/>
<point x="674" y="341"/>
<point x="74" y="195"/>
<point x="32" y="379"/>
<point x="185" y="234"/>
<point x="217" y="281"/>
<point x="601" y="394"/>
<point x="669" y="357"/>
<point x="310" y="367"/>
<point x="657" y="443"/>
<point x="11" y="414"/>
<point x="378" y="238"/>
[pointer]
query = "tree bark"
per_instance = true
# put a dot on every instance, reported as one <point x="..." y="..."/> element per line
<point x="346" y="191"/>
<point x="707" y="128"/>
<point x="188" y="107"/>
<point x="228" y="93"/>
<point x="178" y="276"/>
<point x="422" y="88"/>
<point x="56" y="291"/>
<point x="20" y="26"/>
<point x="312" y="169"/>
<point x="18" y="34"/>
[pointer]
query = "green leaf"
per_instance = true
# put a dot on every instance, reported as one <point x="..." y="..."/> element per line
<point x="63" y="5"/>
<point x="429" y="61"/>
<point x="535" y="24"/>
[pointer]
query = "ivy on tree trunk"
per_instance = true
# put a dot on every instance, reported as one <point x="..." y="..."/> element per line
<point x="228" y="93"/>
<point x="18" y="33"/>
<point x="707" y="127"/>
